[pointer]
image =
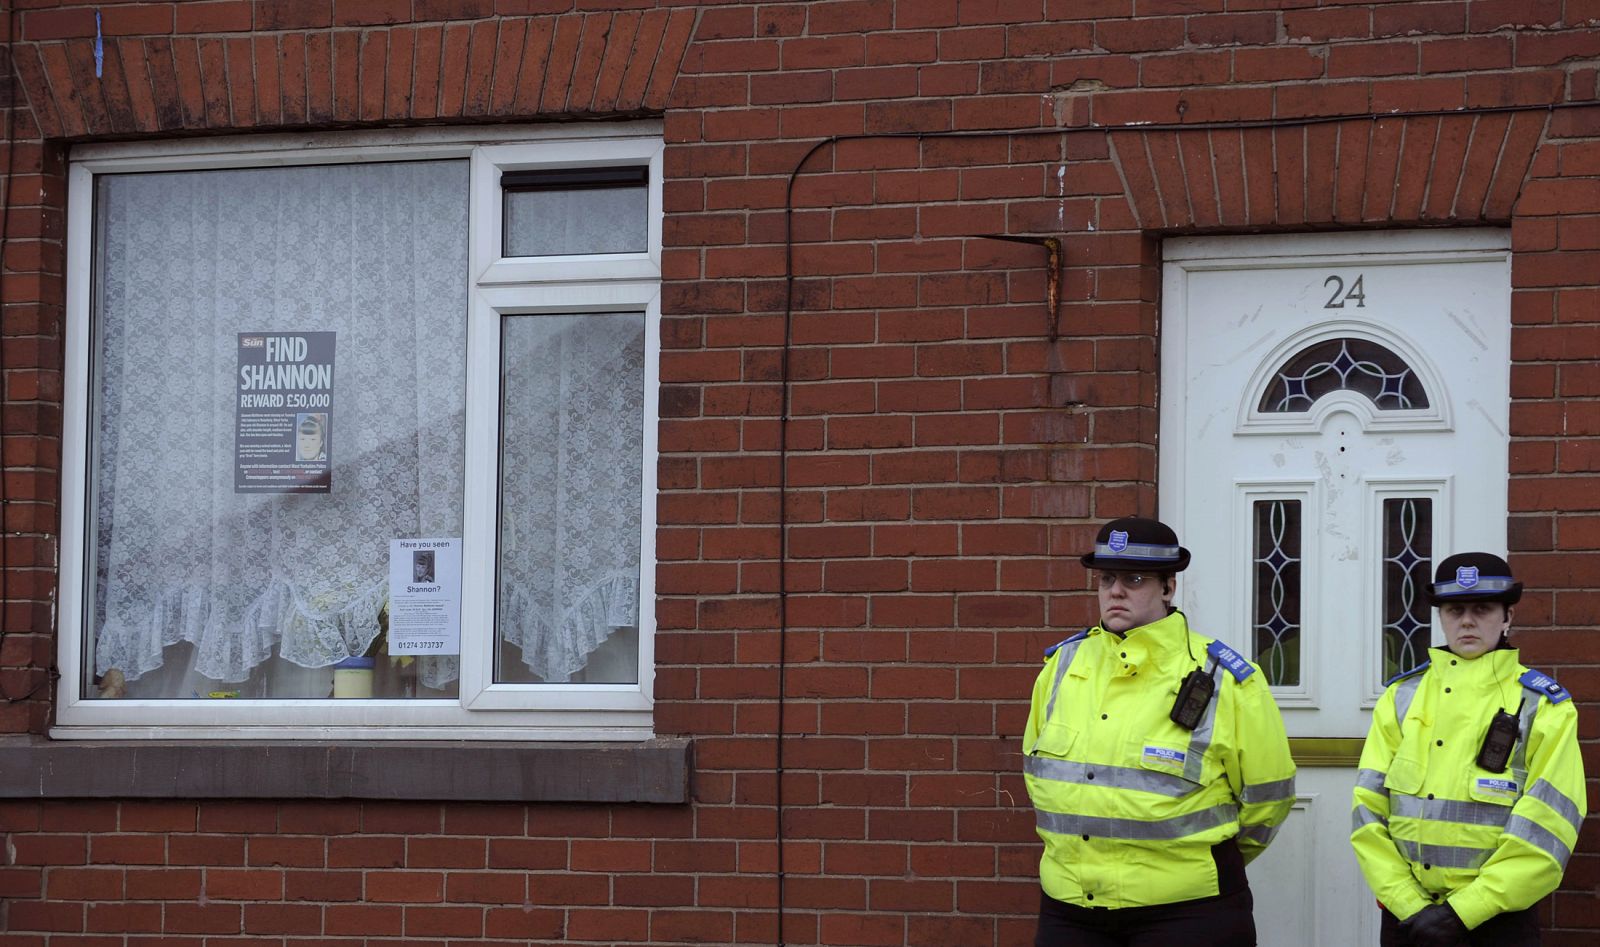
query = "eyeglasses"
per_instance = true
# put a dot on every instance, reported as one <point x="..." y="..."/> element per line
<point x="1130" y="580"/>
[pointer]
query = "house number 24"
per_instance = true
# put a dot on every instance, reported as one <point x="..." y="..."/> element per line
<point x="1341" y="295"/>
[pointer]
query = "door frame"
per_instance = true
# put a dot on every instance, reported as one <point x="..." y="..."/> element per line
<point x="1332" y="895"/>
<point x="1183" y="256"/>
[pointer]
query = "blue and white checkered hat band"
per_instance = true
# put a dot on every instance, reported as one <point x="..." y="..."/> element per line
<point x="1485" y="584"/>
<point x="1137" y="551"/>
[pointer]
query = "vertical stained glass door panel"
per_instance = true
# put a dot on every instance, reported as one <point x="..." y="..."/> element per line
<point x="1407" y="563"/>
<point x="1275" y="606"/>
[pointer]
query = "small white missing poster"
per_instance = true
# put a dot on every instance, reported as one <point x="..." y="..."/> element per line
<point x="425" y="596"/>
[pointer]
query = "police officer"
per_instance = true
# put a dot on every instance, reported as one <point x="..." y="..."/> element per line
<point x="1470" y="793"/>
<point x="1156" y="761"/>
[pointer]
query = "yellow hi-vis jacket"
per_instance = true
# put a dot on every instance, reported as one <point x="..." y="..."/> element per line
<point x="1129" y="804"/>
<point x="1430" y="825"/>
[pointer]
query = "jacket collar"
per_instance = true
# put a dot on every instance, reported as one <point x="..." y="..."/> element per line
<point x="1491" y="665"/>
<point x="1160" y="646"/>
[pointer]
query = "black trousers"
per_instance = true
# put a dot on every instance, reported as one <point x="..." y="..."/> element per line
<point x="1516" y="929"/>
<point x="1223" y="921"/>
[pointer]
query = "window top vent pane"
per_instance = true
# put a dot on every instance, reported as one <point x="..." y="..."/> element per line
<point x="575" y="211"/>
<point x="571" y="179"/>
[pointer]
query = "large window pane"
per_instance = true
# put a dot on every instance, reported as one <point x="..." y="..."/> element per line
<point x="571" y="426"/>
<point x="204" y="587"/>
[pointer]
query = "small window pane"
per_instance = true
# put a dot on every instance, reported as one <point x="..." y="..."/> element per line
<point x="1358" y="365"/>
<point x="1407" y="564"/>
<point x="1276" y="615"/>
<point x="571" y="427"/>
<point x="208" y="581"/>
<point x="553" y="222"/>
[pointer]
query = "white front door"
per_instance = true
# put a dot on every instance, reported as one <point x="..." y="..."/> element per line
<point x="1334" y="413"/>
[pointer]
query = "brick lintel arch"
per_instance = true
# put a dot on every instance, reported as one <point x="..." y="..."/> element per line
<point x="1399" y="170"/>
<point x="579" y="64"/>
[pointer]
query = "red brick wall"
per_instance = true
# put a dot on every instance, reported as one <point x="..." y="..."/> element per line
<point x="952" y="442"/>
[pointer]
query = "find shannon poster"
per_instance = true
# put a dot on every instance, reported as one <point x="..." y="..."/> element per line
<point x="283" y="429"/>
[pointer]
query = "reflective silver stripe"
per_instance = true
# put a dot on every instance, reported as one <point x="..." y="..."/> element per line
<point x="1487" y="583"/>
<point x="1064" y="656"/>
<point x="1260" y="834"/>
<point x="1116" y="777"/>
<point x="1200" y="740"/>
<point x="1539" y="837"/>
<point x="1361" y="815"/>
<point x="1137" y="551"/>
<point x="1403" y="692"/>
<point x="1448" y="810"/>
<point x="1557" y="800"/>
<point x="1268" y="792"/>
<point x="1066" y="823"/>
<point x="1443" y="856"/>
<point x="1519" y="754"/>
<point x="1371" y="780"/>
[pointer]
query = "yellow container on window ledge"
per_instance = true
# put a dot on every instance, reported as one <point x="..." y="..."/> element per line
<point x="352" y="677"/>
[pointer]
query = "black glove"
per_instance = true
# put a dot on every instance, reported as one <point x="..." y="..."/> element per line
<point x="1436" y="926"/>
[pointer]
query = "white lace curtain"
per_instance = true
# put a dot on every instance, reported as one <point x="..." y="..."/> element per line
<point x="258" y="587"/>
<point x="376" y="253"/>
<point x="571" y="432"/>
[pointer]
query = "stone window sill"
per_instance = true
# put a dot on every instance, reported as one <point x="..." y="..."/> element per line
<point x="652" y="771"/>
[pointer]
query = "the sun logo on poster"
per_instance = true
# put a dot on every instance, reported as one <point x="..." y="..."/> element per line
<point x="283" y="432"/>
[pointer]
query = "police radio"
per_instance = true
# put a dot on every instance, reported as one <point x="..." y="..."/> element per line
<point x="1193" y="695"/>
<point x="1497" y="743"/>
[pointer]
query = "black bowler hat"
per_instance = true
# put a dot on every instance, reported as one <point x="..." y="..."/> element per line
<point x="1474" y="577"/>
<point x="1137" y="544"/>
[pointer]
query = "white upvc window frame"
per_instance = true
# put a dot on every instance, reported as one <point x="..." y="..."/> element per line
<point x="497" y="287"/>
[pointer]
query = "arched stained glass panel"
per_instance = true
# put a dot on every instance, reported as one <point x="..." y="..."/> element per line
<point x="1343" y="364"/>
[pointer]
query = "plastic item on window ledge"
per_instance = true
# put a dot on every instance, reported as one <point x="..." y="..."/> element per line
<point x="367" y="675"/>
<point x="352" y="677"/>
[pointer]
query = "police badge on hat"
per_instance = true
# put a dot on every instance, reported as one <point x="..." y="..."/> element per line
<point x="1137" y="544"/>
<point x="1473" y="577"/>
